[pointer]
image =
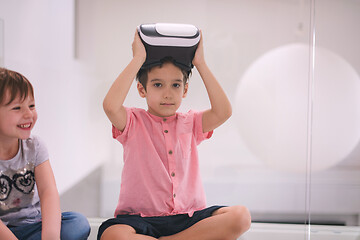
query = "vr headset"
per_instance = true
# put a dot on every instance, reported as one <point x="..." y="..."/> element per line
<point x="161" y="40"/>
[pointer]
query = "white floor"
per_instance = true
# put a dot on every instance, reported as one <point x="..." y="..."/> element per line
<point x="269" y="231"/>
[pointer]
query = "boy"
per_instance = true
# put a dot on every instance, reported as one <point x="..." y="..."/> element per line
<point x="161" y="194"/>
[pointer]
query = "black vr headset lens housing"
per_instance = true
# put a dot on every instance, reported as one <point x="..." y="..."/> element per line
<point x="161" y="40"/>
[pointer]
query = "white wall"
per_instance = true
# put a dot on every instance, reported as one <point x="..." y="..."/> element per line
<point x="1" y="42"/>
<point x="39" y="43"/>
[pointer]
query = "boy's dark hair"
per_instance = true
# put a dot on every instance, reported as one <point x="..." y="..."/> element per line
<point x="15" y="83"/>
<point x="142" y="75"/>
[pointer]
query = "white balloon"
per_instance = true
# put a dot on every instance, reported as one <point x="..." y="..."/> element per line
<point x="272" y="108"/>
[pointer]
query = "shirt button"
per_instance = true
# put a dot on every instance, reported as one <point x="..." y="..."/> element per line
<point x="166" y="131"/>
<point x="164" y="119"/>
<point x="174" y="195"/>
<point x="173" y="174"/>
<point x="170" y="152"/>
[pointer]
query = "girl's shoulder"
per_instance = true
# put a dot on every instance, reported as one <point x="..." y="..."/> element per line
<point x="32" y="143"/>
<point x="35" y="149"/>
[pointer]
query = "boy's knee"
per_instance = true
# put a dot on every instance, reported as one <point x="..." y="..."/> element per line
<point x="241" y="219"/>
<point x="118" y="232"/>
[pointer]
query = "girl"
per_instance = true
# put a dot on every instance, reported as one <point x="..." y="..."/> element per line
<point x="29" y="200"/>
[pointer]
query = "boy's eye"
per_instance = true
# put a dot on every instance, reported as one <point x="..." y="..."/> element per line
<point x="15" y="108"/>
<point x="157" y="84"/>
<point x="32" y="106"/>
<point x="177" y="85"/>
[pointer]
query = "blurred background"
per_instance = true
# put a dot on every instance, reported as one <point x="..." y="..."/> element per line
<point x="291" y="150"/>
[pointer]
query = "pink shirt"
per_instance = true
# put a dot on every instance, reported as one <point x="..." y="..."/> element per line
<point x="161" y="174"/>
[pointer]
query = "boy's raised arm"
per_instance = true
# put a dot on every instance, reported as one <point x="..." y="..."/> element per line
<point x="220" y="109"/>
<point x="114" y="99"/>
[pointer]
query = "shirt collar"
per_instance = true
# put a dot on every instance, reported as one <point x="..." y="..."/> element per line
<point x="163" y="119"/>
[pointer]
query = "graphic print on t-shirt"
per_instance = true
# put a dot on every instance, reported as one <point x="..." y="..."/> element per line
<point x="16" y="188"/>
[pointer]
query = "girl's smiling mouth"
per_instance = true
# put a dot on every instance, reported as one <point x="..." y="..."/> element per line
<point x="24" y="126"/>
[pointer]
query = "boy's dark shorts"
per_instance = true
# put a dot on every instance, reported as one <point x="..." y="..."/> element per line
<point x="158" y="226"/>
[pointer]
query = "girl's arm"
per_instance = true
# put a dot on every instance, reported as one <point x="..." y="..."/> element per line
<point x="49" y="201"/>
<point x="220" y="109"/>
<point x="114" y="99"/>
<point x="5" y="233"/>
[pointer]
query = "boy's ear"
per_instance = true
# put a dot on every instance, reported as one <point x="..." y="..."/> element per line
<point x="141" y="90"/>
<point x="186" y="86"/>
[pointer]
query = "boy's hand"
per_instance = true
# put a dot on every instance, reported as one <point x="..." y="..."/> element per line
<point x="114" y="99"/>
<point x="138" y="47"/>
<point x="199" y="54"/>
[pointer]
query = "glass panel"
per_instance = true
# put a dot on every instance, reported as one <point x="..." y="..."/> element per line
<point x="335" y="189"/>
